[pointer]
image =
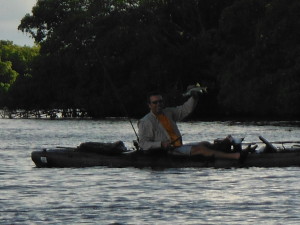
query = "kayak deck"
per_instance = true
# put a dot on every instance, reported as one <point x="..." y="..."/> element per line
<point x="71" y="157"/>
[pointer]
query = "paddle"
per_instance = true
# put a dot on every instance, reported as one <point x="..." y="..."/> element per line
<point x="284" y="142"/>
<point x="272" y="142"/>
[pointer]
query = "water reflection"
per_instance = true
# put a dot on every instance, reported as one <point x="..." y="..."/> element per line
<point x="102" y="195"/>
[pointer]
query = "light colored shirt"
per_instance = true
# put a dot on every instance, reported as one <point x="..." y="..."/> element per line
<point x="151" y="131"/>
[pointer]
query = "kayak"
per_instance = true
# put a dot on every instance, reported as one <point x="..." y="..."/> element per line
<point x="91" y="154"/>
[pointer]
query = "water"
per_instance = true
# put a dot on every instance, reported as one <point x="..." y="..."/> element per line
<point x="101" y="195"/>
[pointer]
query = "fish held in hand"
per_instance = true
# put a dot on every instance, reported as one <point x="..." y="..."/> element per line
<point x="195" y="89"/>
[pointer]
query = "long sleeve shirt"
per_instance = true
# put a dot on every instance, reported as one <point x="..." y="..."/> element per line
<point x="152" y="133"/>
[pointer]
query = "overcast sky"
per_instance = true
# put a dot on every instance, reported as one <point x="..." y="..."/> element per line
<point x="11" y="13"/>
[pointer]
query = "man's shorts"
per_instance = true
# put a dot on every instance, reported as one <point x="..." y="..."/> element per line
<point x="184" y="149"/>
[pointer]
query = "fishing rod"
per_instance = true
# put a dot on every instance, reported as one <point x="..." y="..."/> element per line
<point x="116" y="92"/>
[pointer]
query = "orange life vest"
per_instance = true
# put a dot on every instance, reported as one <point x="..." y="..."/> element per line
<point x="165" y="122"/>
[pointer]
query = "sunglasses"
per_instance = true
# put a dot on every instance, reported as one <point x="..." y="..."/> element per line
<point x="158" y="101"/>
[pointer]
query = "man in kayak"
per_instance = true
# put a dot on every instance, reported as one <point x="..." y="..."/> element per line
<point x="158" y="129"/>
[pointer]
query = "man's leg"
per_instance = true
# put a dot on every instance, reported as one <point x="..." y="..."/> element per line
<point x="203" y="149"/>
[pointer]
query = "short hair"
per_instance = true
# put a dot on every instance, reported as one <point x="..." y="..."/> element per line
<point x="153" y="93"/>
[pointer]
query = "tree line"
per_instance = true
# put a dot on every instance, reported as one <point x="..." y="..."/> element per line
<point x="105" y="56"/>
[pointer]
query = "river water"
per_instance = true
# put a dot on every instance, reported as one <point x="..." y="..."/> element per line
<point x="101" y="195"/>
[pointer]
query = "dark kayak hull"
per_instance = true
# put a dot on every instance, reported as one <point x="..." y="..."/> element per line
<point x="69" y="157"/>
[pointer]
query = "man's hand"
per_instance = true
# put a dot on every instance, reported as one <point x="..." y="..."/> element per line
<point x="195" y="90"/>
<point x="165" y="144"/>
<point x="195" y="94"/>
<point x="192" y="93"/>
<point x="190" y="87"/>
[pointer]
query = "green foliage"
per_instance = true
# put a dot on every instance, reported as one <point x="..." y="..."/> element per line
<point x="140" y="45"/>
<point x="245" y="51"/>
<point x="15" y="65"/>
<point x="7" y="74"/>
<point x="260" y="76"/>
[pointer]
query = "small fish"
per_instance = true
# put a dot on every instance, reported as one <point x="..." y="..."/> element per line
<point x="196" y="88"/>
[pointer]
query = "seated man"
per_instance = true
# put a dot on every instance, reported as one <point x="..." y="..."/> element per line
<point x="158" y="129"/>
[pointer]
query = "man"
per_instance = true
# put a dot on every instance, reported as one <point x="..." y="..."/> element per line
<point x="158" y="129"/>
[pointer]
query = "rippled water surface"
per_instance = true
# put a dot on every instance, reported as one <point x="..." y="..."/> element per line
<point x="101" y="195"/>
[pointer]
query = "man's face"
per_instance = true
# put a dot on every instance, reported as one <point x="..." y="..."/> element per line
<point x="156" y="104"/>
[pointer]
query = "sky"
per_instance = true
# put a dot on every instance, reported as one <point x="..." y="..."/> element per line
<point x="11" y="13"/>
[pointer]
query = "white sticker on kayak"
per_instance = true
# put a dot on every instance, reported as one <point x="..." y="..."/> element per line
<point x="43" y="159"/>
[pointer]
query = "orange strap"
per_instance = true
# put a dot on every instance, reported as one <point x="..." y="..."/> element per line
<point x="165" y="122"/>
